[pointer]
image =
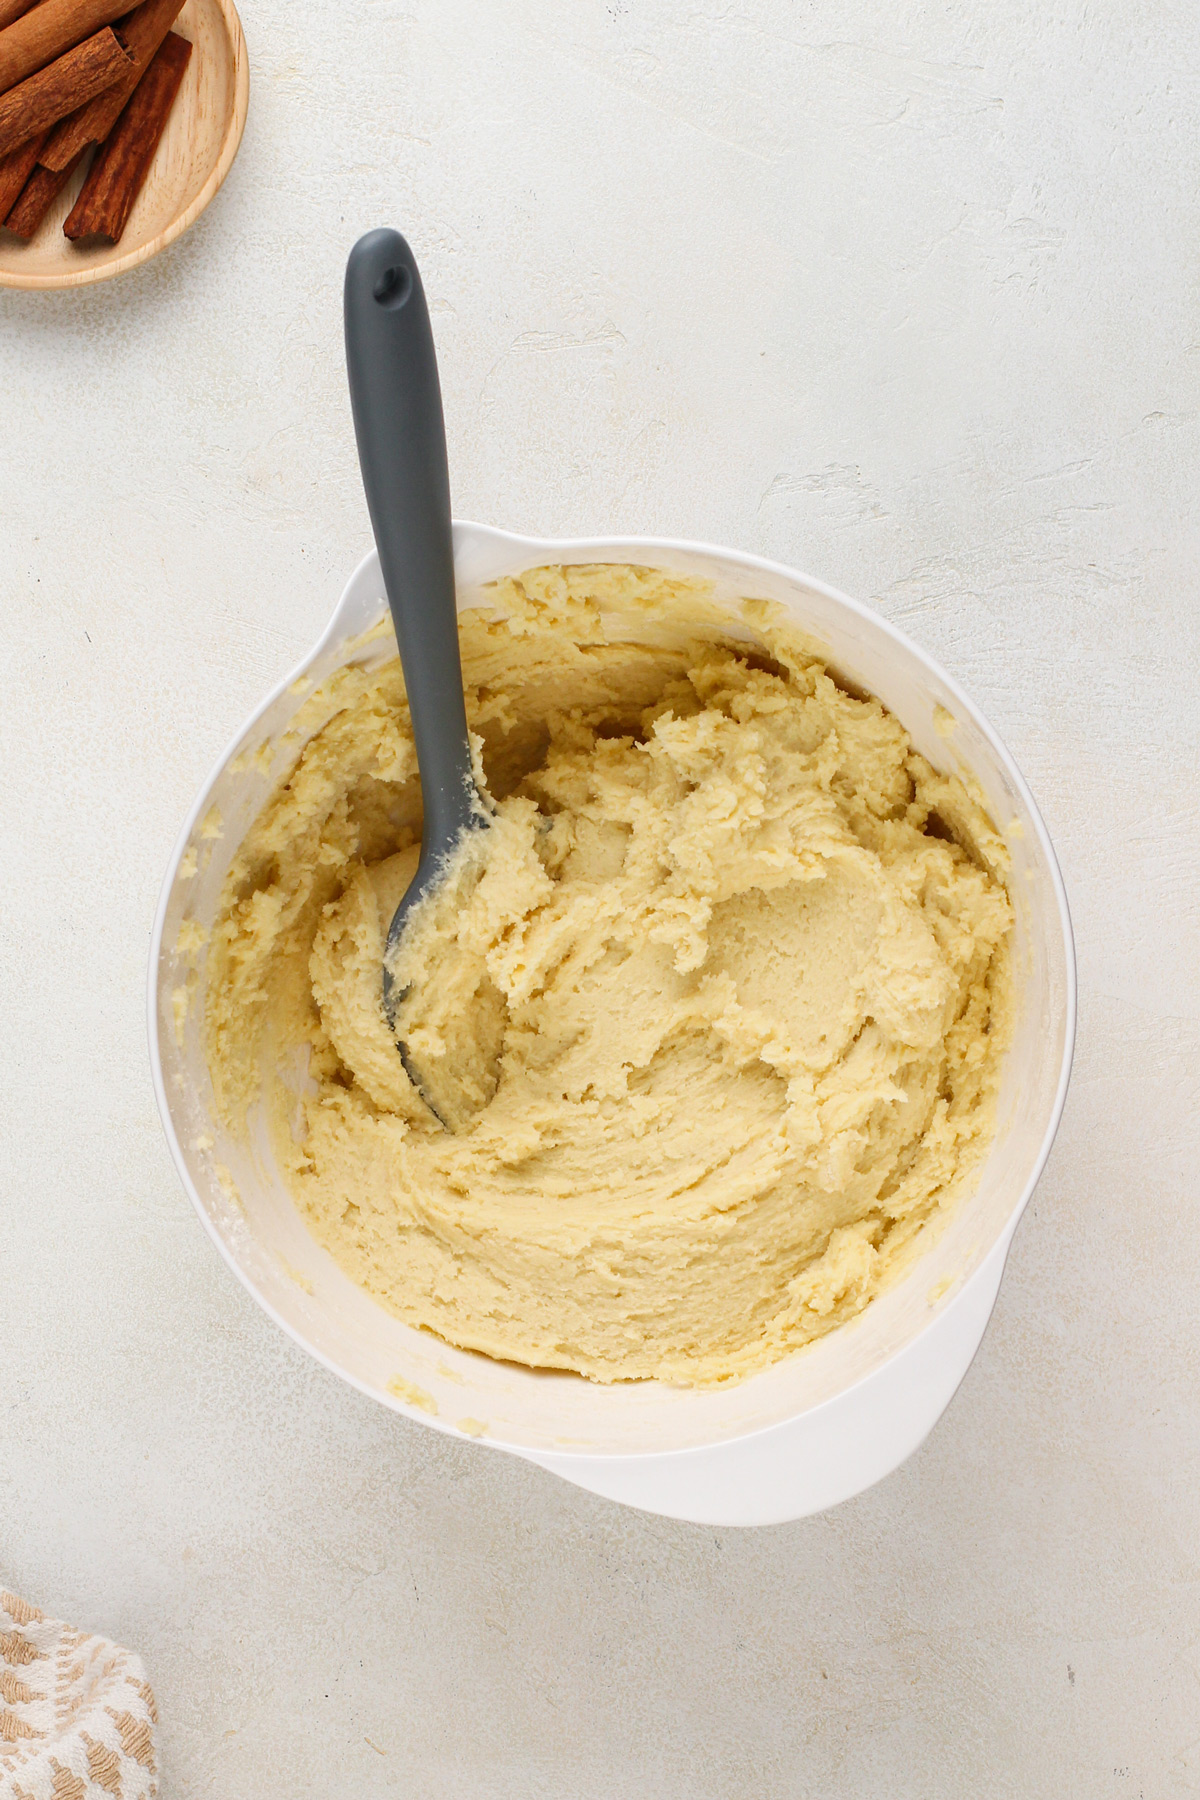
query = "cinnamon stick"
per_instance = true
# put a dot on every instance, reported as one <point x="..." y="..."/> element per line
<point x="16" y="168"/>
<point x="49" y="95"/>
<point x="41" y="36"/>
<point x="37" y="197"/>
<point x="142" y="32"/>
<point x="115" y="179"/>
<point x="12" y="9"/>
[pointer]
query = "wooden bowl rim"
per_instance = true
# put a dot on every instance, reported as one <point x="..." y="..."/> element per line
<point x="117" y="263"/>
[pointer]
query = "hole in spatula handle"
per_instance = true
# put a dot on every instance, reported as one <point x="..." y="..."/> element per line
<point x="393" y="287"/>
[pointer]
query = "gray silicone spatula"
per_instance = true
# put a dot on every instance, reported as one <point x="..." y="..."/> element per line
<point x="397" y="404"/>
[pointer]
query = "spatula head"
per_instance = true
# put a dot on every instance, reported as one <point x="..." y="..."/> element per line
<point x="449" y="1028"/>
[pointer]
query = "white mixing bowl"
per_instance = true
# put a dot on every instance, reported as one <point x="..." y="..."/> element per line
<point x="814" y="1429"/>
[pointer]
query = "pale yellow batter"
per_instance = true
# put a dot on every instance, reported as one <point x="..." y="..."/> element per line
<point x="737" y="959"/>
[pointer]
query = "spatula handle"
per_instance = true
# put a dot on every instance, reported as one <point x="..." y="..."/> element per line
<point x="397" y="405"/>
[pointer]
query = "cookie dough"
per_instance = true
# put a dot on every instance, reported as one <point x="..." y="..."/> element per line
<point x="743" y="954"/>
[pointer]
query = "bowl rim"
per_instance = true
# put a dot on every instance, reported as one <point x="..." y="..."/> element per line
<point x="230" y="144"/>
<point x="569" y="550"/>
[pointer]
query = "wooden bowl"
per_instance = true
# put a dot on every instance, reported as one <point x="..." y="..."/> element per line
<point x="192" y="160"/>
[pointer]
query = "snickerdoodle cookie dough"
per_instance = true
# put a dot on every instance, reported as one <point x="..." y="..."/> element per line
<point x="744" y="950"/>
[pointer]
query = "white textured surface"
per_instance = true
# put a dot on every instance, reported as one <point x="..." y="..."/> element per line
<point x="903" y="295"/>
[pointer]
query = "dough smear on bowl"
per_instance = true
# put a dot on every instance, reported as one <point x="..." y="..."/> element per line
<point x="744" y="951"/>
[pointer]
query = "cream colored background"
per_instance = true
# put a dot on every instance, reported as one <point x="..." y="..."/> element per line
<point x="907" y="296"/>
